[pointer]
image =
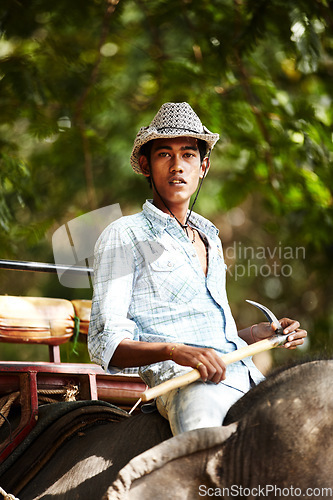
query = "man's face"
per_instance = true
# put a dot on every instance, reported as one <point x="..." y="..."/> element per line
<point x="175" y="168"/>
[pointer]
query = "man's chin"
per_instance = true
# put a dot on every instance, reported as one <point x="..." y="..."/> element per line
<point x="176" y="198"/>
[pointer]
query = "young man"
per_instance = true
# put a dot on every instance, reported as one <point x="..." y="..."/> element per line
<point x="159" y="283"/>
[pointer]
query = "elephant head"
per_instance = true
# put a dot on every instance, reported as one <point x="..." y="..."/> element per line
<point x="175" y="469"/>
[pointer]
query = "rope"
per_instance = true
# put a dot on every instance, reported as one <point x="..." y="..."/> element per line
<point x="69" y="392"/>
<point x="6" y="403"/>
<point x="7" y="496"/>
<point x="51" y="391"/>
<point x="44" y="399"/>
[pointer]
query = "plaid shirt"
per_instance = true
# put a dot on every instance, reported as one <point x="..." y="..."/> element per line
<point x="149" y="285"/>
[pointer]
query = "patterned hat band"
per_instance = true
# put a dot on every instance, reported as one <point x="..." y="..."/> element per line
<point x="186" y="130"/>
<point x="172" y="120"/>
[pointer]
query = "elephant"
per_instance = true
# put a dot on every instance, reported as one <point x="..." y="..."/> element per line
<point x="276" y="441"/>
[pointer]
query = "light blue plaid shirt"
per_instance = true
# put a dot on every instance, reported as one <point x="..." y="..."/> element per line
<point x="149" y="285"/>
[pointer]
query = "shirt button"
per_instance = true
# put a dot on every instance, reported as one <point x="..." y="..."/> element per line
<point x="194" y="254"/>
<point x="170" y="264"/>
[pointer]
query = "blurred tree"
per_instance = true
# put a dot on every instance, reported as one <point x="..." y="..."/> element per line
<point x="76" y="83"/>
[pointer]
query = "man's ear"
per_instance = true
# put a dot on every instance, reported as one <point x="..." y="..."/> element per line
<point x="204" y="167"/>
<point x="144" y="166"/>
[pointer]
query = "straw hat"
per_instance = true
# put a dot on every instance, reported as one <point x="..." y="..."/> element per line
<point x="174" y="119"/>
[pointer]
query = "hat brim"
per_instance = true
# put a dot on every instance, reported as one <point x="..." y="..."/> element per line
<point x="149" y="134"/>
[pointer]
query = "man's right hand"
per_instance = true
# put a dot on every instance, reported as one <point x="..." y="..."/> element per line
<point x="207" y="361"/>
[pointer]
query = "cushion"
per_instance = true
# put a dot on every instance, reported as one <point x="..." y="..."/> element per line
<point x="35" y="319"/>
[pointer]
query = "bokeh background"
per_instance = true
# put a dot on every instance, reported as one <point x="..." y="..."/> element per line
<point x="78" y="79"/>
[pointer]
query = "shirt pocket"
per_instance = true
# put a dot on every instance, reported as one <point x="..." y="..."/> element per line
<point x="172" y="280"/>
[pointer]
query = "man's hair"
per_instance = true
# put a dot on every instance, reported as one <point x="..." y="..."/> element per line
<point x="145" y="150"/>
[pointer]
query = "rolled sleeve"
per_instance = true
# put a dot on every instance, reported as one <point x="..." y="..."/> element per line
<point x="114" y="267"/>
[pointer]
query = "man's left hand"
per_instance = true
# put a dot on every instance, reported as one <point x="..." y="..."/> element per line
<point x="296" y="338"/>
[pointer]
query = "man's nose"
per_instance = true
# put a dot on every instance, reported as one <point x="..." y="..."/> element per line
<point x="176" y="164"/>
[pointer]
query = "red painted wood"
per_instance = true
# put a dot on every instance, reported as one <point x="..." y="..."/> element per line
<point x="28" y="377"/>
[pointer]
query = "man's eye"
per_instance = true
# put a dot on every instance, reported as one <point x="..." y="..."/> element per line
<point x="163" y="154"/>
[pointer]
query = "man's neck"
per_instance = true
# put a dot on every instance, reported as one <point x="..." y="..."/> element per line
<point x="179" y="211"/>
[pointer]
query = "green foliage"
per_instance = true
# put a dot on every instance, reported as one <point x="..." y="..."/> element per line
<point x="77" y="81"/>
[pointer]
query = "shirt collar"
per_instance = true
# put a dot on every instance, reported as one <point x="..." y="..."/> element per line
<point x="204" y="224"/>
<point x="160" y="220"/>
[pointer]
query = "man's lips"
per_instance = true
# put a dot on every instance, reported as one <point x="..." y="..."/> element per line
<point x="177" y="181"/>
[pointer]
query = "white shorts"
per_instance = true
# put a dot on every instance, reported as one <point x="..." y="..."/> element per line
<point x="200" y="404"/>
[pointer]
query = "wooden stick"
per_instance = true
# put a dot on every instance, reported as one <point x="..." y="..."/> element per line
<point x="193" y="375"/>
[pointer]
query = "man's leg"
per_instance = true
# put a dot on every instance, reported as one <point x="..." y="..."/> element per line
<point x="197" y="405"/>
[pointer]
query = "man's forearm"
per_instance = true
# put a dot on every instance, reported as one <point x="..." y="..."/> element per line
<point x="130" y="353"/>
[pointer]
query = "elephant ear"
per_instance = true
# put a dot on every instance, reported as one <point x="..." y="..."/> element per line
<point x="180" y="463"/>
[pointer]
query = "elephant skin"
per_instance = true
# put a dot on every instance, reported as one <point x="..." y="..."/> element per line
<point x="87" y="463"/>
<point x="277" y="442"/>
